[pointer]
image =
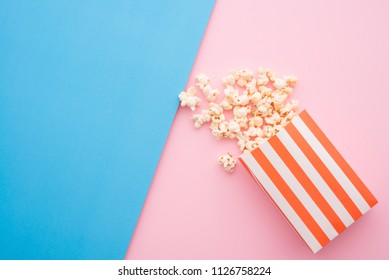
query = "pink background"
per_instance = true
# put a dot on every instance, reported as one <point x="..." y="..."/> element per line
<point x="340" y="52"/>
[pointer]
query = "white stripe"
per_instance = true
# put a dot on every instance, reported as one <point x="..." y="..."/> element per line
<point x="299" y="190"/>
<point x="281" y="202"/>
<point x="315" y="177"/>
<point x="336" y="171"/>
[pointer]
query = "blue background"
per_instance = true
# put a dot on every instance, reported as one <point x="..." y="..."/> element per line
<point x="88" y="91"/>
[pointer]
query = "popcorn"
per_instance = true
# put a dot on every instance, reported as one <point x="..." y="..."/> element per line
<point x="266" y="91"/>
<point x="278" y="127"/>
<point x="268" y="131"/>
<point x="202" y="81"/>
<point x="265" y="108"/>
<point x="228" y="162"/>
<point x="273" y="119"/>
<point x="216" y="120"/>
<point x="279" y="83"/>
<point x="256" y="98"/>
<point x="235" y="74"/>
<point x="220" y="130"/>
<point x="251" y="87"/>
<point x="242" y="140"/>
<point x="210" y="94"/>
<point x="233" y="126"/>
<point x="240" y="112"/>
<point x="251" y="145"/>
<point x="242" y="121"/>
<point x="253" y="132"/>
<point x="256" y="121"/>
<point x="202" y="118"/>
<point x="217" y="116"/>
<point x="260" y="140"/>
<point x="279" y="99"/>
<point x="291" y="80"/>
<point x="271" y="75"/>
<point x="288" y="117"/>
<point x="258" y="103"/>
<point x="226" y="105"/>
<point x="229" y="80"/>
<point x="261" y="71"/>
<point x="245" y="76"/>
<point x="240" y="100"/>
<point x="288" y="90"/>
<point x="215" y="109"/>
<point x="230" y="92"/>
<point x="189" y="98"/>
<point x="234" y="98"/>
<point x="262" y="78"/>
<point x="293" y="106"/>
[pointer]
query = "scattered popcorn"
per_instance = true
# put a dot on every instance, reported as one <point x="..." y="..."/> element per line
<point x="240" y="112"/>
<point x="268" y="131"/>
<point x="251" y="145"/>
<point x="265" y="108"/>
<point x="273" y="119"/>
<point x="271" y="75"/>
<point x="256" y="121"/>
<point x="226" y="105"/>
<point x="215" y="109"/>
<point x="286" y="109"/>
<point x="189" y="98"/>
<point x="261" y="71"/>
<point x="253" y="132"/>
<point x="262" y="77"/>
<point x="291" y="80"/>
<point x="233" y="126"/>
<point x="242" y="139"/>
<point x="242" y="121"/>
<point x="240" y="100"/>
<point x="229" y="80"/>
<point x="209" y="93"/>
<point x="202" y="81"/>
<point x="279" y="83"/>
<point x="256" y="98"/>
<point x="260" y="140"/>
<point x="228" y="162"/>
<point x="266" y="91"/>
<point x="251" y="87"/>
<point x="220" y="130"/>
<point x="279" y="99"/>
<point x="245" y="76"/>
<point x="230" y="92"/>
<point x="288" y="90"/>
<point x="202" y="118"/>
<point x="258" y="103"/>
<point x="216" y="120"/>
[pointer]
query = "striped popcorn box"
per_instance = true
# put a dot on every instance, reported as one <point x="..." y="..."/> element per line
<point x="309" y="181"/>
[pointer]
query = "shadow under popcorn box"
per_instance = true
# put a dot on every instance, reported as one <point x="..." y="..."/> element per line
<point x="309" y="181"/>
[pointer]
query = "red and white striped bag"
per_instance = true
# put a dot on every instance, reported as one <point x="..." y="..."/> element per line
<point x="309" y="181"/>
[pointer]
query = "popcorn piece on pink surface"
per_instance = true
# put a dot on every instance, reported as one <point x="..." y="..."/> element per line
<point x="188" y="98"/>
<point x="258" y="104"/>
<point x="228" y="162"/>
<point x="201" y="118"/>
<point x="202" y="81"/>
<point x="210" y="94"/>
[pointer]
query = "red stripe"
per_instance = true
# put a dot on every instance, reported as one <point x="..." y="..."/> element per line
<point x="271" y="199"/>
<point x="307" y="184"/>
<point x="292" y="199"/>
<point x="348" y="171"/>
<point x="323" y="171"/>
